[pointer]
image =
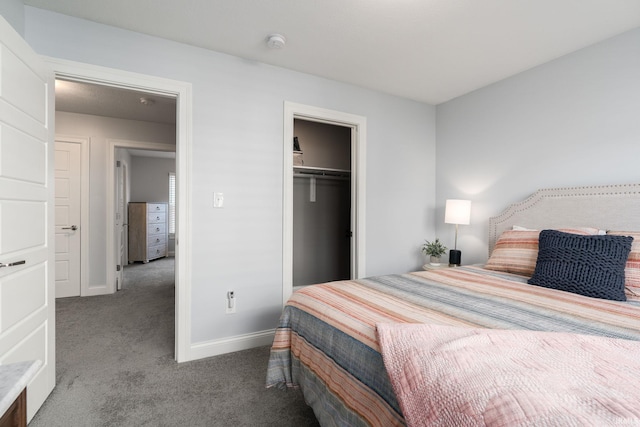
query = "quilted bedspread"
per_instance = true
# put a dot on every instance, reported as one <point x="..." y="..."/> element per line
<point x="450" y="376"/>
<point x="326" y="342"/>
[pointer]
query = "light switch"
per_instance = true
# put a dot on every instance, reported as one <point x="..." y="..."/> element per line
<point x="218" y="200"/>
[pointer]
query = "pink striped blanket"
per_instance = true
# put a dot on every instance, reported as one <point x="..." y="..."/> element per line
<point x="327" y="345"/>
<point x="452" y="376"/>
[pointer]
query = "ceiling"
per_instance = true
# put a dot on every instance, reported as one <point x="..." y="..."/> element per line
<point x="427" y="50"/>
<point x="98" y="100"/>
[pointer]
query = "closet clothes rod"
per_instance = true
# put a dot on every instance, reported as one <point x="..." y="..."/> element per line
<point x="319" y="176"/>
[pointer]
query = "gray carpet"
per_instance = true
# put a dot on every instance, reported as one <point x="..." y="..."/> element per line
<point x="115" y="367"/>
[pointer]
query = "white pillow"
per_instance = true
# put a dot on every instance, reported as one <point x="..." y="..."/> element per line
<point x="519" y="228"/>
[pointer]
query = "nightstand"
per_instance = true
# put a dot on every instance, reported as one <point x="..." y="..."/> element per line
<point x="437" y="267"/>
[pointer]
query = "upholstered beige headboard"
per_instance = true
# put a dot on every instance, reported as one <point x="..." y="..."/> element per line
<point x="608" y="207"/>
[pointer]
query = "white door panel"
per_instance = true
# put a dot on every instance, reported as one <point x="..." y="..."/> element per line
<point x="28" y="284"/>
<point x="14" y="144"/>
<point x="31" y="348"/>
<point x="27" y="315"/>
<point x="30" y="97"/>
<point x="22" y="225"/>
<point x="62" y="212"/>
<point x="62" y="244"/>
<point x="62" y="271"/>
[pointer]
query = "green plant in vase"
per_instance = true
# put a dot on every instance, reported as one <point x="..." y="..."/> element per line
<point x="434" y="250"/>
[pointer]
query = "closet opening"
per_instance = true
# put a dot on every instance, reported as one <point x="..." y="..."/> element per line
<point x="322" y="232"/>
<point x="324" y="188"/>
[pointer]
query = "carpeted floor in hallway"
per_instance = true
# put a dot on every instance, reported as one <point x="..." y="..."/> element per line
<point x="115" y="367"/>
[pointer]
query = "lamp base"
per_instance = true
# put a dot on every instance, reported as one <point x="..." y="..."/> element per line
<point x="455" y="257"/>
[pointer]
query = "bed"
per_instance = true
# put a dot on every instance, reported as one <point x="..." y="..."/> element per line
<point x="441" y="347"/>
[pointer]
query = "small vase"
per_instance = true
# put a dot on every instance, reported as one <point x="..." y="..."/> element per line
<point x="434" y="260"/>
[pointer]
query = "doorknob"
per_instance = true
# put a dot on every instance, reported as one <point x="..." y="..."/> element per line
<point x="72" y="228"/>
<point x="11" y="264"/>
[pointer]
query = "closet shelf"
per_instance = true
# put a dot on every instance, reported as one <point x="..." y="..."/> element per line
<point x="323" y="172"/>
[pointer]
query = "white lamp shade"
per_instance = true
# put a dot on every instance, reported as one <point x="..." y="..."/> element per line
<point x="457" y="211"/>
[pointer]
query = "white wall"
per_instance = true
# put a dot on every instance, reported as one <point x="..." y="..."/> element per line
<point x="238" y="149"/>
<point x="13" y="12"/>
<point x="150" y="179"/>
<point x="572" y="121"/>
<point x="99" y="130"/>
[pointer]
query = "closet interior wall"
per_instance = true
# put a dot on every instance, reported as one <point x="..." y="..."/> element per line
<point x="322" y="204"/>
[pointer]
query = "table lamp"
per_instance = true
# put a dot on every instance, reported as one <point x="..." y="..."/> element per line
<point x="457" y="212"/>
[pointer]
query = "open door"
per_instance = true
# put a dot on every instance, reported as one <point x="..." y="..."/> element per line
<point x="121" y="222"/>
<point x="27" y="294"/>
<point x="68" y="218"/>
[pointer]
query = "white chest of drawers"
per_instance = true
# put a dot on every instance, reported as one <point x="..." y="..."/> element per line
<point x="148" y="237"/>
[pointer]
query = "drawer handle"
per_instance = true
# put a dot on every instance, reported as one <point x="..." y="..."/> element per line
<point x="157" y="228"/>
<point x="157" y="240"/>
<point x="158" y="218"/>
<point x="157" y="208"/>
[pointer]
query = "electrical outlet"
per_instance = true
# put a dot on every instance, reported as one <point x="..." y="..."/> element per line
<point x="231" y="302"/>
<point x="218" y="200"/>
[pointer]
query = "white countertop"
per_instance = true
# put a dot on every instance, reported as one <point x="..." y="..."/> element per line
<point x="13" y="379"/>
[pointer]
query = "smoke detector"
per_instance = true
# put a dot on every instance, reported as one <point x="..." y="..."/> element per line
<point x="276" y="41"/>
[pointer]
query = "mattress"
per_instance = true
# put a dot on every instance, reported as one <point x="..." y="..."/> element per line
<point x="326" y="342"/>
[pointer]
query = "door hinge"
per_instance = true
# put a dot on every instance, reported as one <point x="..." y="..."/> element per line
<point x="118" y="267"/>
<point x="117" y="163"/>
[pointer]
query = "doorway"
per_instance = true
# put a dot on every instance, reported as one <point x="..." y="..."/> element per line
<point x="143" y="176"/>
<point x="119" y="112"/>
<point x="357" y="128"/>
<point x="321" y="203"/>
<point x="181" y="92"/>
<point x="148" y="168"/>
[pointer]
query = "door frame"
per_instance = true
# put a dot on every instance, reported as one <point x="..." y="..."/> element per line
<point x="358" y="125"/>
<point x="84" y="207"/>
<point x="95" y="74"/>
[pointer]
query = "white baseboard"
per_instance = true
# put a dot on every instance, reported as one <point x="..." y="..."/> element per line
<point x="228" y="345"/>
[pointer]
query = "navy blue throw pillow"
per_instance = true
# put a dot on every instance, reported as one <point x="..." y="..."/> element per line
<point x="587" y="265"/>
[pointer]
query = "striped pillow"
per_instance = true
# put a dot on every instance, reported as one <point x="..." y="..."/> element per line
<point x="516" y="251"/>
<point x="632" y="268"/>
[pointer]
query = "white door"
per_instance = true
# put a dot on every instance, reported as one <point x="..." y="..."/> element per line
<point x="121" y="222"/>
<point x="68" y="227"/>
<point x="27" y="295"/>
